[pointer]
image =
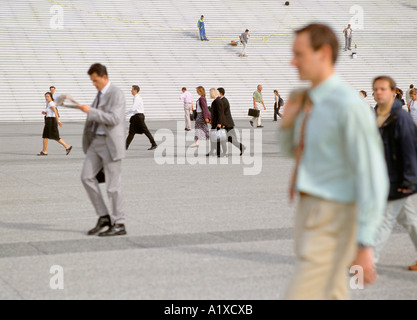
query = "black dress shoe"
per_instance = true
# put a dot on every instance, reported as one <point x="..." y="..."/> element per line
<point x="114" y="230"/>
<point x="102" y="222"/>
<point x="152" y="147"/>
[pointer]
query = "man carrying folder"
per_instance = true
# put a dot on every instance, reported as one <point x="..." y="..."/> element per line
<point x="104" y="146"/>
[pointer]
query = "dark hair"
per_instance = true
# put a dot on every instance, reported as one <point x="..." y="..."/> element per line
<point x="390" y="80"/>
<point x="364" y="93"/>
<point x="411" y="86"/>
<point x="98" y="69"/>
<point x="398" y="90"/>
<point x="51" y="87"/>
<point x="184" y="89"/>
<point x="276" y="91"/>
<point x="136" y="88"/>
<point x="247" y="30"/>
<point x="321" y="35"/>
<point x="221" y="90"/>
<point x="202" y="16"/>
<point x="50" y="94"/>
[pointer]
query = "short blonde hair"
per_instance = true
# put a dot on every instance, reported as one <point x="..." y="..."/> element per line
<point x="413" y="91"/>
<point x="214" y="93"/>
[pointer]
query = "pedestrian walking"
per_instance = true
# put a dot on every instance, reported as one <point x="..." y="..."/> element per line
<point x="407" y="94"/>
<point x="50" y="130"/>
<point x="340" y="172"/>
<point x="104" y="146"/>
<point x="258" y="103"/>
<point x="229" y="123"/>
<point x="187" y="99"/>
<point x="279" y="102"/>
<point x="244" y="38"/>
<point x="218" y="122"/>
<point x="399" y="136"/>
<point x="137" y="120"/>
<point x="203" y="117"/>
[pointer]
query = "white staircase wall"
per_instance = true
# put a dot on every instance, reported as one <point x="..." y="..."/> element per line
<point x="154" y="44"/>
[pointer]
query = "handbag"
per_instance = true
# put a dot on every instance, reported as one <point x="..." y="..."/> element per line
<point x="195" y="114"/>
<point x="253" y="112"/>
<point x="218" y="135"/>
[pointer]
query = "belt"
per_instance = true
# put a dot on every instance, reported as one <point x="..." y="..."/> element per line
<point x="100" y="135"/>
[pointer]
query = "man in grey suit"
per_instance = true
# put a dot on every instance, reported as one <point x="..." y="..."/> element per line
<point x="104" y="146"/>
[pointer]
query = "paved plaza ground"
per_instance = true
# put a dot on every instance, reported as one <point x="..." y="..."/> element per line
<point x="204" y="231"/>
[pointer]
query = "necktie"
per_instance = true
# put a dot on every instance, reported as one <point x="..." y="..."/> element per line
<point x="95" y="124"/>
<point x="306" y="106"/>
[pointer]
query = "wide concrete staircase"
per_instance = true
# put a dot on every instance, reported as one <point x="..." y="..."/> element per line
<point x="154" y="43"/>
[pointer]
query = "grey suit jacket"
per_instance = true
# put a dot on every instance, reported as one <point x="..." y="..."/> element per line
<point x="110" y="114"/>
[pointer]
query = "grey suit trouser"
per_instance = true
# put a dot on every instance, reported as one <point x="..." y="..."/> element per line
<point x="98" y="156"/>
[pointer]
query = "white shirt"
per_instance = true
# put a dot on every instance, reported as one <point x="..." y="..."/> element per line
<point x="407" y="96"/>
<point x="49" y="112"/>
<point x="187" y="97"/>
<point x="137" y="106"/>
<point x="100" y="129"/>
<point x="413" y="110"/>
<point x="198" y="107"/>
<point x="348" y="32"/>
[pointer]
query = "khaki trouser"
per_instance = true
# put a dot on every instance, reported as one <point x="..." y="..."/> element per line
<point x="325" y="245"/>
<point x="188" y="107"/>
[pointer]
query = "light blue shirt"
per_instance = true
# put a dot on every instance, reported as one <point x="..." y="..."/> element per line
<point x="100" y="128"/>
<point x="343" y="158"/>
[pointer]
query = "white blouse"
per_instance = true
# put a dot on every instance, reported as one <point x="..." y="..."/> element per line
<point x="199" y="107"/>
<point x="49" y="112"/>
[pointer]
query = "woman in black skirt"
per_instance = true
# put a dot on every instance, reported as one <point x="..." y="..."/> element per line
<point x="50" y="130"/>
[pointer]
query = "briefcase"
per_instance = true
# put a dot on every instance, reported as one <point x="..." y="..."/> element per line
<point x="101" y="178"/>
<point x="253" y="112"/>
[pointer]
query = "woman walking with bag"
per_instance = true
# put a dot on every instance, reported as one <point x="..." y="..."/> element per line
<point x="202" y="119"/>
<point x="50" y="131"/>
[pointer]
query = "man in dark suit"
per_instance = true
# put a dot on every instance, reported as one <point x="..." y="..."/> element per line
<point x="231" y="133"/>
<point x="217" y="123"/>
<point x="104" y="146"/>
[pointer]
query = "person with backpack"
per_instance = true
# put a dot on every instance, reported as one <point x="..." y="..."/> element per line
<point x="279" y="102"/>
<point x="399" y="136"/>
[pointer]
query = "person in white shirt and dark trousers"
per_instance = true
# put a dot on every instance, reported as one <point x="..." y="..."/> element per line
<point x="137" y="121"/>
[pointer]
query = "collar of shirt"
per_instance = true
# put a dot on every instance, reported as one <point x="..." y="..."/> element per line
<point x="322" y="90"/>
<point x="104" y="90"/>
